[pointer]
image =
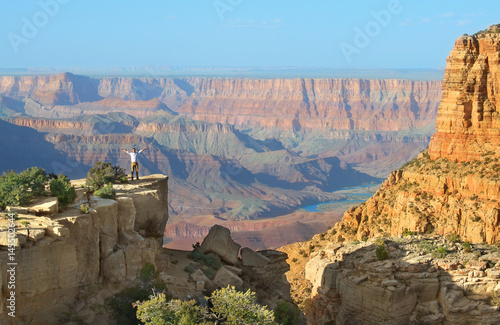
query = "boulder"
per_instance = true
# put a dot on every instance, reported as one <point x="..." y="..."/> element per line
<point x="224" y="277"/>
<point x="219" y="242"/>
<point x="234" y="269"/>
<point x="251" y="258"/>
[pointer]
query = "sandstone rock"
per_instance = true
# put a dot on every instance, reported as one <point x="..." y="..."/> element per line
<point x="219" y="242"/>
<point x="80" y="253"/>
<point x="126" y="214"/>
<point x="150" y="201"/>
<point x="467" y="123"/>
<point x="348" y="287"/>
<point x="234" y="269"/>
<point x="44" y="205"/>
<point x="58" y="231"/>
<point x="224" y="277"/>
<point x="114" y="267"/>
<point x="106" y="215"/>
<point x="322" y="273"/>
<point x="133" y="261"/>
<point x="251" y="258"/>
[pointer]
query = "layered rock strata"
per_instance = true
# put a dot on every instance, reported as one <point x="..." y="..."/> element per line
<point x="287" y="104"/>
<point x="468" y="123"/>
<point x="414" y="285"/>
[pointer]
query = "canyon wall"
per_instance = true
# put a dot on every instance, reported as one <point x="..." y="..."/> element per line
<point x="289" y="104"/>
<point x="61" y="257"/>
<point x="344" y="104"/>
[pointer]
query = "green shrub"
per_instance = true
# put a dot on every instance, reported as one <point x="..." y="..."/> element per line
<point x="381" y="252"/>
<point x="238" y="307"/>
<point x="287" y="313"/>
<point x="7" y="216"/>
<point x="211" y="261"/>
<point x="104" y="173"/>
<point x="106" y="192"/>
<point x="120" y="305"/>
<point x="62" y="188"/>
<point x="209" y="272"/>
<point x="440" y="252"/>
<point x="35" y="179"/>
<point x="148" y="271"/>
<point x="453" y="238"/>
<point x="467" y="247"/>
<point x="13" y="190"/>
<point x="189" y="268"/>
<point x="407" y="232"/>
<point x="161" y="310"/>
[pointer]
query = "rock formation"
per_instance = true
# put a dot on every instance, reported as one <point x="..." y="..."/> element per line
<point x="261" y="271"/>
<point x="287" y="104"/>
<point x="60" y="254"/>
<point x="454" y="188"/>
<point x="468" y="120"/>
<point x="414" y="285"/>
<point x="450" y="191"/>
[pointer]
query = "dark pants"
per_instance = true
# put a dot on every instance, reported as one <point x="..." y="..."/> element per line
<point x="134" y="166"/>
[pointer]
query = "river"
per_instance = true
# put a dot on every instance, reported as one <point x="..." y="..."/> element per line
<point x="355" y="197"/>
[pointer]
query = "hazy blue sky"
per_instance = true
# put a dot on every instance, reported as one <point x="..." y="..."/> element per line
<point x="236" y="33"/>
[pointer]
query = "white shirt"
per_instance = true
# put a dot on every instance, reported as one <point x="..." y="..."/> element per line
<point x="133" y="155"/>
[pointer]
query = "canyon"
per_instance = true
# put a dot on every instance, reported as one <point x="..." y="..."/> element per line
<point x="234" y="149"/>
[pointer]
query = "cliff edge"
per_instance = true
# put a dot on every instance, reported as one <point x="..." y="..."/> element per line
<point x="58" y="255"/>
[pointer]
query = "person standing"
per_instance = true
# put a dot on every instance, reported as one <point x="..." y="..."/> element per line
<point x="133" y="159"/>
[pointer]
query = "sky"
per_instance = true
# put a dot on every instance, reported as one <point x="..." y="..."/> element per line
<point x="388" y="34"/>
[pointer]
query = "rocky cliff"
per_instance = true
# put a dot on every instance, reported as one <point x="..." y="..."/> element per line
<point x="454" y="188"/>
<point x="288" y="104"/>
<point x="468" y="120"/>
<point x="342" y="104"/>
<point x="61" y="89"/>
<point x="450" y="193"/>
<point x="421" y="280"/>
<point x="61" y="255"/>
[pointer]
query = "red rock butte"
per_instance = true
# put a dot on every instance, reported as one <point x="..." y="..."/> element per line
<point x="468" y="122"/>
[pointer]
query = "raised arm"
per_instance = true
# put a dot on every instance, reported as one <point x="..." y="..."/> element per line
<point x="123" y="150"/>
<point x="144" y="149"/>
